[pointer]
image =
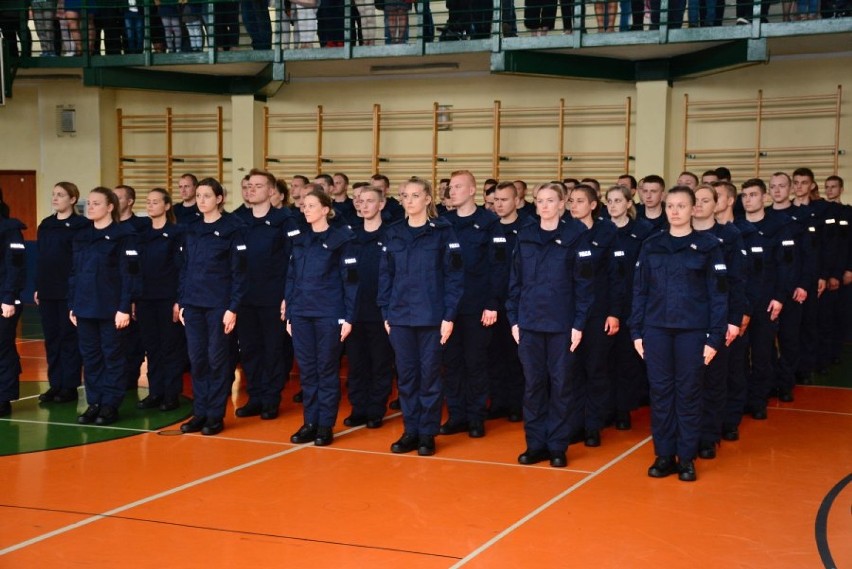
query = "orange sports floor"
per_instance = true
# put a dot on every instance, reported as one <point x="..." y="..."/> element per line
<point x="778" y="498"/>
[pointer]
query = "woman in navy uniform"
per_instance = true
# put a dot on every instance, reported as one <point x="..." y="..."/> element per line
<point x="368" y="347"/>
<point x="102" y="283"/>
<point x="680" y="310"/>
<point x="629" y="379"/>
<point x="592" y="403"/>
<point x="156" y="309"/>
<point x="55" y="234"/>
<point x="549" y="302"/>
<point x="421" y="280"/>
<point x="212" y="286"/>
<point x="319" y="306"/>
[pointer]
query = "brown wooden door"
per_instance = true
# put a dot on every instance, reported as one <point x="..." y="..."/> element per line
<point x="19" y="193"/>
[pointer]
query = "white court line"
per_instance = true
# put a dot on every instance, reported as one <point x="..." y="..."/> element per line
<point x="143" y="501"/>
<point x="809" y="411"/>
<point x="487" y="545"/>
<point x="443" y="458"/>
<point x="31" y="421"/>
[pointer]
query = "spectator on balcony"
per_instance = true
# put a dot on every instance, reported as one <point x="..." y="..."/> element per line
<point x="634" y="9"/>
<point x="396" y="20"/>
<point x="745" y="11"/>
<point x="468" y="18"/>
<point x="540" y="16"/>
<point x="257" y="23"/>
<point x="605" y="15"/>
<point x="72" y="16"/>
<point x="108" y="18"/>
<point x="14" y="16"/>
<point x="169" y="11"/>
<point x="674" y="18"/>
<point x="809" y="9"/>
<point x="304" y="17"/>
<point x="366" y="20"/>
<point x="330" y="23"/>
<point x="44" y="13"/>
<point x="193" y="18"/>
<point x="134" y="27"/>
<point x="227" y="32"/>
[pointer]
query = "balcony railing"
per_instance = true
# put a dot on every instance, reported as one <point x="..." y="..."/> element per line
<point x="73" y="32"/>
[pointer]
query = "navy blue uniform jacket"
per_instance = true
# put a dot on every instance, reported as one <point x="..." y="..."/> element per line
<point x="105" y="273"/>
<point x="421" y="274"/>
<point x="548" y="291"/>
<point x="53" y="267"/>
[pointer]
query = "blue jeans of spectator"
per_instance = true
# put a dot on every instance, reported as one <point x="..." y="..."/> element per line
<point x="134" y="31"/>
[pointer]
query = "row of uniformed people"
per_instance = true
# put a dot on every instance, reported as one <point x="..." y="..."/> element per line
<point x="459" y="261"/>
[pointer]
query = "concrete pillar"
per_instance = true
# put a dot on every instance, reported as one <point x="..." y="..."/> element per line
<point x="653" y="110"/>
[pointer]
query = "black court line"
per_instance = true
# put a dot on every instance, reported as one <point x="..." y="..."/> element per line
<point x="233" y="531"/>
<point x="821" y="523"/>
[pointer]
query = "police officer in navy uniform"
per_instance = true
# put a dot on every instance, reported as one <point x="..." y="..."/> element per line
<point x="505" y="371"/>
<point x="421" y="282"/>
<point x="156" y="307"/>
<point x="319" y="306"/>
<point x="466" y="357"/>
<point x="55" y="235"/>
<point x="266" y="349"/>
<point x="392" y="211"/>
<point x="592" y="404"/>
<point x="103" y="281"/>
<point x="211" y="290"/>
<point x="368" y="347"/>
<point x="12" y="278"/>
<point x="629" y="380"/>
<point x="716" y="374"/>
<point x="548" y="306"/>
<point x="133" y="348"/>
<point x="652" y="208"/>
<point x="791" y="331"/>
<point x="834" y="256"/>
<point x="680" y="307"/>
<point x="736" y="383"/>
<point x="186" y="211"/>
<point x="773" y="274"/>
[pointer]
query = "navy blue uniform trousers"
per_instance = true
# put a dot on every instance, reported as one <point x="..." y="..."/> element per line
<point x="61" y="346"/>
<point x="789" y="346"/>
<point x="264" y="353"/>
<point x="466" y="369"/>
<point x="370" y="357"/>
<point x="714" y="396"/>
<point x="627" y="369"/>
<point x="675" y="360"/>
<point x="735" y="399"/>
<point x="165" y="344"/>
<point x="761" y="341"/>
<point x="590" y="388"/>
<point x="505" y="372"/>
<point x="547" y="363"/>
<point x="316" y="342"/>
<point x="134" y="353"/>
<point x="102" y="350"/>
<point x="418" y="367"/>
<point x="209" y="356"/>
<point x="10" y="362"/>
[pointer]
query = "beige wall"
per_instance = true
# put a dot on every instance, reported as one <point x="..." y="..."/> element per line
<point x="27" y="124"/>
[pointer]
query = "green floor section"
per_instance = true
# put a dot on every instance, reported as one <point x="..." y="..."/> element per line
<point x="35" y="426"/>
